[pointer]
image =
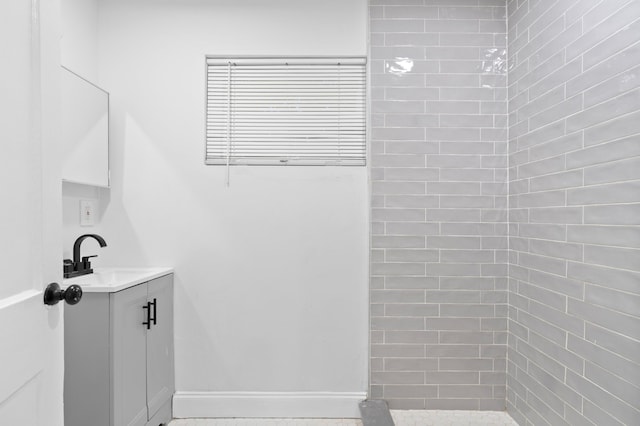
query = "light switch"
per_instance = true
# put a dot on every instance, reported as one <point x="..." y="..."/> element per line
<point x="87" y="211"/>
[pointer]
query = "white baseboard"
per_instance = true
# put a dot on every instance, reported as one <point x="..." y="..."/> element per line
<point x="267" y="404"/>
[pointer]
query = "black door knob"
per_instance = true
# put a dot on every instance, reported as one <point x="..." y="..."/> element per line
<point x="53" y="294"/>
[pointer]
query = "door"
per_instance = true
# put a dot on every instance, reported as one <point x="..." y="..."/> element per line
<point x="31" y="348"/>
<point x="129" y="310"/>
<point x="160" y="381"/>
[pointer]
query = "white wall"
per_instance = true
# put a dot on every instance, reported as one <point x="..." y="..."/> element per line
<point x="271" y="272"/>
<point x="79" y="53"/>
<point x="79" y="41"/>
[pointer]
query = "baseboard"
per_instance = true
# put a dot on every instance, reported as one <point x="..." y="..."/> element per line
<point x="267" y="404"/>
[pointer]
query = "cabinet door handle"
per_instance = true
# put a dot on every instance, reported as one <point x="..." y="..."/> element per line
<point x="155" y="312"/>
<point x="148" y="321"/>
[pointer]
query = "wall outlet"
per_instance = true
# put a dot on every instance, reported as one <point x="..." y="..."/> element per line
<point x="87" y="212"/>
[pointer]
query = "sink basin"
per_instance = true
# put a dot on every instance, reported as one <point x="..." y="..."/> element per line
<point x="115" y="279"/>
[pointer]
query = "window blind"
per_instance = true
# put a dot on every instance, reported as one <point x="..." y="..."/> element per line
<point x="299" y="111"/>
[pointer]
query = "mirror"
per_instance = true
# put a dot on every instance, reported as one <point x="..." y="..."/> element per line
<point x="85" y="131"/>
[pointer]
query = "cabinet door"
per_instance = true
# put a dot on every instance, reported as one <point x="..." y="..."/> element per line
<point x="128" y="345"/>
<point x="160" y="376"/>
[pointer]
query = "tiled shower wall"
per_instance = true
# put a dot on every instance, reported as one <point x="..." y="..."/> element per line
<point x="574" y="152"/>
<point x="439" y="183"/>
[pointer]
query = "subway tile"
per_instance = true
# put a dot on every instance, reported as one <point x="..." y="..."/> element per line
<point x="453" y="351"/>
<point x="398" y="160"/>
<point x="557" y="317"/>
<point x="625" y="192"/>
<point x="453" y="161"/>
<point x="398" y="106"/>
<point x="398" y="242"/>
<point x="412" y="228"/>
<point x="555" y="249"/>
<point x="541" y="135"/>
<point x="458" y="121"/>
<point x="410" y="38"/>
<point x="451" y="26"/>
<point x="411" y="255"/>
<point x="610" y="151"/>
<point x="623" y="258"/>
<point x="600" y="371"/>
<point x="397" y="296"/>
<point x="412" y="201"/>
<point x="452" y="270"/>
<point x="453" y="107"/>
<point x="410" y="12"/>
<point x="411" y="147"/>
<point x="466" y="175"/>
<point x="453" y="324"/>
<point x="615" y="86"/>
<point x="400" y="323"/>
<point x="462" y="39"/>
<point x="410" y="310"/>
<point x="620" y="170"/>
<point x="598" y="416"/>
<point x="559" y="215"/>
<point x="403" y="268"/>
<point x="396" y="350"/>
<point x="464" y="309"/>
<point x="462" y="148"/>
<point x="465" y="391"/>
<point x="397" y="133"/>
<point x="562" y="180"/>
<point x="594" y="34"/>
<point x="543" y="328"/>
<point x="386" y="188"/>
<point x="405" y="403"/>
<point x="556" y="283"/>
<point x="616" y="128"/>
<point x="412" y="364"/>
<point x="454" y="134"/>
<point x="605" y="111"/>
<point x="463" y="53"/>
<point x="410" y="391"/>
<point x="612" y="299"/>
<point x="397" y="378"/>
<point x="396" y="25"/>
<point x="621" y="236"/>
<point x="620" y="279"/>
<point x="606" y="318"/>
<point x="413" y="93"/>
<point x="466" y="94"/>
<point x="556" y="78"/>
<point x="412" y="174"/>
<point x="411" y="120"/>
<point x="411" y="282"/>
<point x="556" y="352"/>
<point x="452" y="404"/>
<point x="390" y="215"/>
<point x="466" y="337"/>
<point x="391" y="80"/>
<point x="611" y="341"/>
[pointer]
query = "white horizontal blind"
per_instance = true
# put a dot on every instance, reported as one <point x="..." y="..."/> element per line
<point x="303" y="111"/>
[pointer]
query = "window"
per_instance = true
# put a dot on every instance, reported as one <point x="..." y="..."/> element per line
<point x="301" y="111"/>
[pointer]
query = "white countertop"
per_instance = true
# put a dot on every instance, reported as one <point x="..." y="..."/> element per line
<point x="110" y="280"/>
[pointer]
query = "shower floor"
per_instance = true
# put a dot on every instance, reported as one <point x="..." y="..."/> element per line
<point x="400" y="418"/>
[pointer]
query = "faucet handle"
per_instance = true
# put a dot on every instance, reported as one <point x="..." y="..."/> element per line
<point x="86" y="263"/>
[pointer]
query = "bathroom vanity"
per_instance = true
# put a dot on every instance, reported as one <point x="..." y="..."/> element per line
<point x="119" y="349"/>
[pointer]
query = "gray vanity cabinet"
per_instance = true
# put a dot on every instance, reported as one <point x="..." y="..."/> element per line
<point x="119" y="371"/>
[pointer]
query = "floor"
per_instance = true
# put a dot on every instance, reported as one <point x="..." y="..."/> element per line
<point x="400" y="418"/>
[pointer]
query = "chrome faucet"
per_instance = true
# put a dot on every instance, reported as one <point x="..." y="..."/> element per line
<point x="81" y="265"/>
